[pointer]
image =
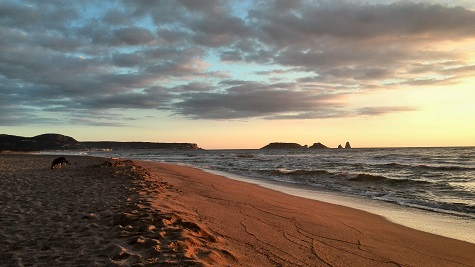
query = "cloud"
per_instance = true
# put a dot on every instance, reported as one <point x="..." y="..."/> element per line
<point x="272" y="102"/>
<point x="131" y="36"/>
<point x="311" y="21"/>
<point x="151" y="98"/>
<point x="14" y="115"/>
<point x="325" y="37"/>
<point x="377" y="111"/>
<point x="187" y="57"/>
<point x="250" y="100"/>
<point x="43" y="15"/>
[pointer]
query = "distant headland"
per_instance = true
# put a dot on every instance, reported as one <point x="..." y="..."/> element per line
<point x="280" y="145"/>
<point x="45" y="142"/>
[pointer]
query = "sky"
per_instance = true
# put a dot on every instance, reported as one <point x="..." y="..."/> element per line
<point x="240" y="74"/>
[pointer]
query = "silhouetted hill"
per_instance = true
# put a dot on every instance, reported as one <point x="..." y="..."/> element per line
<point x="278" y="145"/>
<point x="318" y="146"/>
<point x="39" y="142"/>
<point x="62" y="142"/>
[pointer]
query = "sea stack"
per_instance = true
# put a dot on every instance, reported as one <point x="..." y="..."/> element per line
<point x="339" y="146"/>
<point x="347" y="145"/>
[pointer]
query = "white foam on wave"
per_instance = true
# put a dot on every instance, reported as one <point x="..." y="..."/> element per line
<point x="432" y="222"/>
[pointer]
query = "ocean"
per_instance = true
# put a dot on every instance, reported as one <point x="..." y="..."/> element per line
<point x="441" y="180"/>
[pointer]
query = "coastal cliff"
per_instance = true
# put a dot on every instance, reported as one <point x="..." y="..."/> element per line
<point x="62" y="142"/>
<point x="139" y="145"/>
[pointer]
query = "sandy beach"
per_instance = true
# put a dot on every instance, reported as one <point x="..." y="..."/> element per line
<point x="99" y="212"/>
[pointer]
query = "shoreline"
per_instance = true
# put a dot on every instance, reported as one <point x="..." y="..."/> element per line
<point x="265" y="227"/>
<point x="448" y="225"/>
<point x="99" y="211"/>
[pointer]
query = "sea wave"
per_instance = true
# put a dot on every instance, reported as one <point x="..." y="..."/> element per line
<point x="245" y="156"/>
<point x="369" y="178"/>
<point x="364" y="177"/>
<point x="421" y="177"/>
<point x="299" y="172"/>
<point x="459" y="209"/>
<point x="352" y="177"/>
<point x="398" y="165"/>
<point x="445" y="168"/>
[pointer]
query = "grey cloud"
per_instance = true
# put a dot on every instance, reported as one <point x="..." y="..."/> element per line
<point x="231" y="56"/>
<point x="117" y="121"/>
<point x="372" y="73"/>
<point x="12" y="114"/>
<point x="128" y="59"/>
<point x="324" y="113"/>
<point x="167" y="61"/>
<point x="19" y="116"/>
<point x="126" y="100"/>
<point x="37" y="15"/>
<point x="324" y="36"/>
<point x="450" y="80"/>
<point x="211" y="7"/>
<point x="219" y="31"/>
<point x="447" y="72"/>
<point x="62" y="56"/>
<point x="272" y="72"/>
<point x="81" y="115"/>
<point x="116" y="16"/>
<point x="214" y="40"/>
<point x="173" y="37"/>
<point x="360" y="73"/>
<point x="207" y="23"/>
<point x="125" y="36"/>
<point x="459" y="70"/>
<point x="376" y="111"/>
<point x="253" y="100"/>
<point x="134" y="35"/>
<point x="345" y="19"/>
<point x="234" y="82"/>
<point x="349" y="54"/>
<point x="193" y="87"/>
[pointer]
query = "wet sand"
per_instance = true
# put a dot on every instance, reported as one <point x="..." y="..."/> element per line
<point x="98" y="212"/>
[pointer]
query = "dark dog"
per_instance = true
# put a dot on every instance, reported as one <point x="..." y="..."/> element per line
<point x="59" y="162"/>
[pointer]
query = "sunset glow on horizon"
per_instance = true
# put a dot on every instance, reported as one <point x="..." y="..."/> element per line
<point x="241" y="74"/>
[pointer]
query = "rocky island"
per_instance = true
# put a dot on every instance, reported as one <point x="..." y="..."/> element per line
<point x="347" y="145"/>
<point x="62" y="142"/>
<point x="318" y="146"/>
<point x="281" y="145"/>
